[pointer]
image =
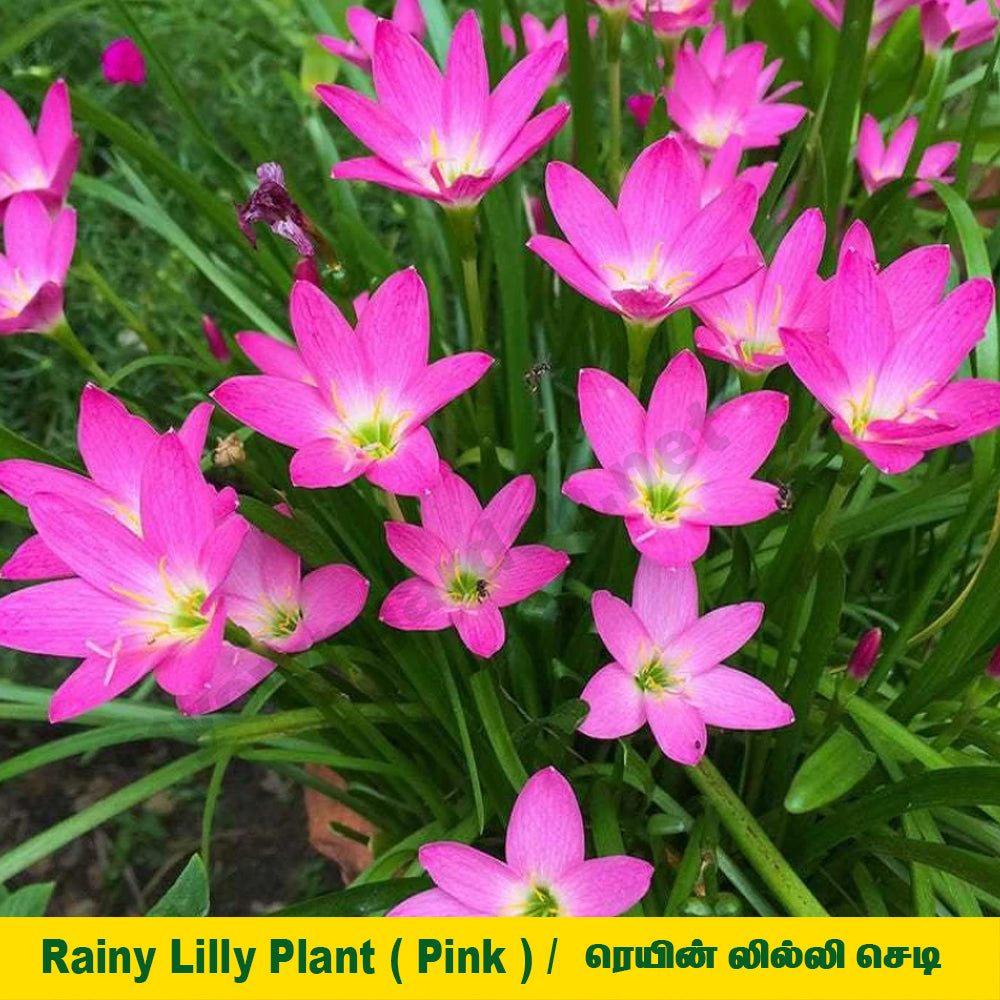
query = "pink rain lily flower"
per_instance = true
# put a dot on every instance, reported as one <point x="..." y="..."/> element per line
<point x="971" y="24"/>
<point x="115" y="446"/>
<point x="722" y="171"/>
<point x="668" y="668"/>
<point x="42" y="161"/>
<point x="675" y="471"/>
<point x="39" y="248"/>
<point x="446" y="137"/>
<point x="884" y="369"/>
<point x="406" y="15"/>
<point x="545" y="873"/>
<point x="881" y="162"/>
<point x="467" y="566"/>
<point x="537" y="37"/>
<point x="885" y="13"/>
<point x="266" y="594"/>
<point x="139" y="602"/>
<point x="361" y="409"/>
<point x="715" y="95"/>
<point x="123" y="62"/>
<point x="671" y="18"/>
<point x="741" y="325"/>
<point x="659" y="250"/>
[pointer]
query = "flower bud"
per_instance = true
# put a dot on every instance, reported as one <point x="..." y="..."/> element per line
<point x="865" y="654"/>
<point x="216" y="342"/>
<point x="993" y="667"/>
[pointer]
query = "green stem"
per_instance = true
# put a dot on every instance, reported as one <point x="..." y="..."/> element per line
<point x="852" y="462"/>
<point x="767" y="860"/>
<point x="392" y="505"/>
<point x="640" y="336"/>
<point x="615" y="29"/>
<point x="474" y="301"/>
<point x="62" y="333"/>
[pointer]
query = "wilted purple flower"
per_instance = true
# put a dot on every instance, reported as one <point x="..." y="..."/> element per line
<point x="865" y="654"/>
<point x="271" y="204"/>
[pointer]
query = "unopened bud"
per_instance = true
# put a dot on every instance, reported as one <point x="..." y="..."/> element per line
<point x="229" y="451"/>
<point x="216" y="342"/>
<point x="993" y="667"/>
<point x="306" y="270"/>
<point x="865" y="654"/>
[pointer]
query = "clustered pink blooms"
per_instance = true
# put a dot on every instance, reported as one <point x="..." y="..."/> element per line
<point x="885" y="13"/>
<point x="671" y="18"/>
<point x="406" y="15"/>
<point x="668" y="669"/>
<point x="41" y="162"/>
<point x="881" y="162"/>
<point x="146" y="561"/>
<point x="659" y="250"/>
<point x="717" y="94"/>
<point x="971" y="24"/>
<point x="446" y="136"/>
<point x="741" y="325"/>
<point x="884" y="368"/>
<point x="537" y="37"/>
<point x="677" y="470"/>
<point x="466" y="563"/>
<point x="38" y="250"/>
<point x="545" y="872"/>
<point x="123" y="62"/>
<point x="361" y="407"/>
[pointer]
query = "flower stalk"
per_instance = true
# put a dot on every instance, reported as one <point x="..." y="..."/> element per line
<point x="640" y="336"/>
<point x="768" y="861"/>
<point x="614" y="31"/>
<point x="62" y="333"/>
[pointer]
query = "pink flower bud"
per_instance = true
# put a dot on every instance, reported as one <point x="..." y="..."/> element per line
<point x="123" y="62"/>
<point x="865" y="654"/>
<point x="306" y="270"/>
<point x="993" y="667"/>
<point x="216" y="342"/>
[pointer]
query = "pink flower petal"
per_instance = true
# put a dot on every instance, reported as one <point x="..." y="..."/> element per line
<point x="331" y="598"/>
<point x="21" y="479"/>
<point x="604" y="887"/>
<point x="473" y="878"/>
<point x="735" y="700"/>
<point x="613" y="419"/>
<point x="439" y="383"/>
<point x="617" y="706"/>
<point x="671" y="545"/>
<point x="504" y="516"/>
<point x="95" y="683"/>
<point x="525" y="570"/>
<point x="481" y="628"/>
<point x="467" y="80"/>
<point x="407" y="81"/>
<point x="665" y="599"/>
<point x="572" y="268"/>
<point x="677" y="413"/>
<point x="450" y="509"/>
<point x="915" y="284"/>
<point x="725" y="502"/>
<point x="323" y="463"/>
<point x="434" y="903"/>
<point x="235" y="672"/>
<point x="395" y="329"/>
<point x="545" y="831"/>
<point x="418" y="550"/>
<point x="33" y="560"/>
<point x="740" y="434"/>
<point x="600" y="489"/>
<point x="860" y="320"/>
<point x="273" y="356"/>
<point x="60" y="618"/>
<point x="285" y="411"/>
<point x="190" y="665"/>
<point x="621" y="630"/>
<point x="415" y="605"/>
<point x="706" y="642"/>
<point x="678" y="727"/>
<point x="412" y="470"/>
<point x="375" y="126"/>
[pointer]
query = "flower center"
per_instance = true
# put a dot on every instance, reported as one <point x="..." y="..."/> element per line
<point x="284" y="622"/>
<point x="663" y="501"/>
<point x="448" y="167"/>
<point x="15" y="296"/>
<point x="655" y="677"/>
<point x="541" y="902"/>
<point x="377" y="438"/>
<point x="468" y="588"/>
<point x="714" y="132"/>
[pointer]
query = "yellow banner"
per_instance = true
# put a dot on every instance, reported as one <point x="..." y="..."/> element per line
<point x="304" y="958"/>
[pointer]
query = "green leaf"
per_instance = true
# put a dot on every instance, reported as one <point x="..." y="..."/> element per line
<point x="358" y="901"/>
<point x="829" y="772"/>
<point x="188" y="896"/>
<point x="28" y="901"/>
<point x="977" y="869"/>
<point x="953" y="786"/>
<point x="485" y="693"/>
